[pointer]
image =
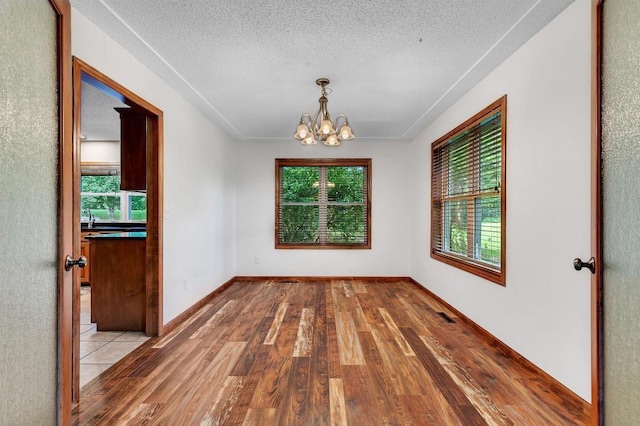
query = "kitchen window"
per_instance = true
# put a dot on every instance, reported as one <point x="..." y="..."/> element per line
<point x="103" y="201"/>
<point x="468" y="194"/>
<point x="323" y="203"/>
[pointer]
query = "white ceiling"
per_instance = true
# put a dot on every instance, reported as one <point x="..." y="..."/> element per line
<point x="251" y="66"/>
<point x="99" y="121"/>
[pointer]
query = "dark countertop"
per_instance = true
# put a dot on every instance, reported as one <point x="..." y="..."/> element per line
<point x="118" y="235"/>
<point x="114" y="226"/>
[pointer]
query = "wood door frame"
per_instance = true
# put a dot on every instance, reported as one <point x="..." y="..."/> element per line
<point x="154" y="175"/>
<point x="66" y="226"/>
<point x="597" y="365"/>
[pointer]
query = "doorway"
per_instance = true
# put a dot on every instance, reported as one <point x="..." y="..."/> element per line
<point x="148" y="164"/>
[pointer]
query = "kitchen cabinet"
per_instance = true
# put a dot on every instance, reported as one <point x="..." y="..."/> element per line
<point x="85" y="273"/>
<point x="133" y="149"/>
<point x="118" y="282"/>
<point x="85" y="250"/>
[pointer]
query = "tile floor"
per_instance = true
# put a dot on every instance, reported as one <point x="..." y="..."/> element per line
<point x="99" y="350"/>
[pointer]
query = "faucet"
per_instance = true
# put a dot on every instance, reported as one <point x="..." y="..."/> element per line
<point x="92" y="218"/>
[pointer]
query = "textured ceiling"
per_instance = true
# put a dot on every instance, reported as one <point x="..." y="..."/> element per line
<point x="251" y="66"/>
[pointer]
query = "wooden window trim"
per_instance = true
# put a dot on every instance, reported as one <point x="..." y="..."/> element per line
<point x="496" y="275"/>
<point x="322" y="162"/>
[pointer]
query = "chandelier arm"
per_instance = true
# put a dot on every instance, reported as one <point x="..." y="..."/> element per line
<point x="331" y="120"/>
<point x="308" y="122"/>
<point x="323" y="108"/>
<point x="324" y="115"/>
<point x="315" y="125"/>
<point x="344" y="117"/>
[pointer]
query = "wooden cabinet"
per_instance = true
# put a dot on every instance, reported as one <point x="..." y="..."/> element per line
<point x="118" y="283"/>
<point x="85" y="273"/>
<point x="85" y="250"/>
<point x="133" y="149"/>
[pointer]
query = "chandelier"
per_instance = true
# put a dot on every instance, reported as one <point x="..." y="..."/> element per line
<point x="321" y="126"/>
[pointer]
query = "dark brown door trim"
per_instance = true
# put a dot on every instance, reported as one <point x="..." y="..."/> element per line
<point x="597" y="400"/>
<point x="66" y="225"/>
<point x="154" y="174"/>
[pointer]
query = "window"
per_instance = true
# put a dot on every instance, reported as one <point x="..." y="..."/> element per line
<point x="468" y="194"/>
<point x="102" y="198"/>
<point x="323" y="203"/>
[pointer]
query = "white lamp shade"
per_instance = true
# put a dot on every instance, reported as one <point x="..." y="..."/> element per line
<point x="302" y="132"/>
<point x="332" y="140"/>
<point x="326" y="128"/>
<point x="309" y="140"/>
<point x="345" y="133"/>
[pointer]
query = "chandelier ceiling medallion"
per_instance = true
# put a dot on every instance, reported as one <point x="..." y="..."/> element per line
<point x="321" y="126"/>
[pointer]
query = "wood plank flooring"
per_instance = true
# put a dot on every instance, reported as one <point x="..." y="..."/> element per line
<point x="324" y="352"/>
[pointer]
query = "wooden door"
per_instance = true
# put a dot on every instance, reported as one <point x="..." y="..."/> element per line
<point x="36" y="209"/>
<point x="620" y="157"/>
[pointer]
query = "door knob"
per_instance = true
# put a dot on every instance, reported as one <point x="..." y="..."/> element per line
<point x="579" y="264"/>
<point x="69" y="263"/>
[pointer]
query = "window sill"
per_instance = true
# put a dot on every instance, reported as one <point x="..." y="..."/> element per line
<point x="323" y="247"/>
<point x="493" y="275"/>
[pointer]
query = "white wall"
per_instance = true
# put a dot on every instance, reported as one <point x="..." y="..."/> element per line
<point x="100" y="151"/>
<point x="199" y="191"/>
<point x="256" y="212"/>
<point x="543" y="312"/>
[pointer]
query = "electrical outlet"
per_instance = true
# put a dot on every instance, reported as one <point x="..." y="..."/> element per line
<point x="256" y="260"/>
<point x="184" y="285"/>
<point x="166" y="214"/>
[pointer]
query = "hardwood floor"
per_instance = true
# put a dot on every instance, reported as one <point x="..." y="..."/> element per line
<point x="316" y="352"/>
